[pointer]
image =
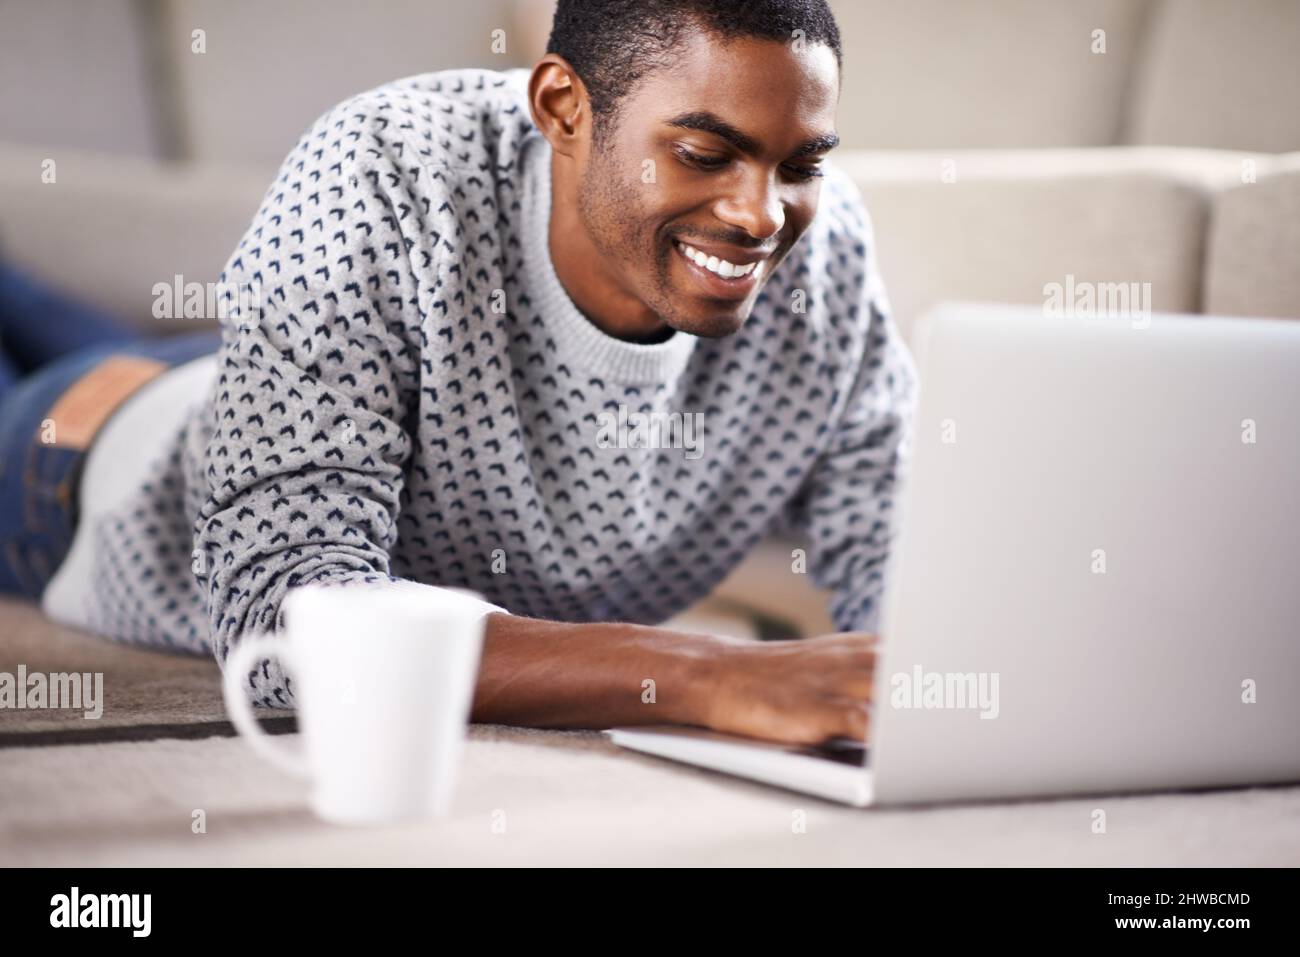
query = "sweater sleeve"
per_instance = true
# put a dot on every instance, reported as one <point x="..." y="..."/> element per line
<point x="845" y="509"/>
<point x="307" y="438"/>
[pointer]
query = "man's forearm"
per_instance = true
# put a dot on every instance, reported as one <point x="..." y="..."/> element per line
<point x="560" y="675"/>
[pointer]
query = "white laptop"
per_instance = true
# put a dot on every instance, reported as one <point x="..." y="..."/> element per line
<point x="1097" y="583"/>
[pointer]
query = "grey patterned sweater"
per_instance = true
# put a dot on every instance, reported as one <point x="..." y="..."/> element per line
<point x="417" y="397"/>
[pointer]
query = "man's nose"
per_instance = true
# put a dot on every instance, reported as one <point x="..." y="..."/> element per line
<point x="754" y="205"/>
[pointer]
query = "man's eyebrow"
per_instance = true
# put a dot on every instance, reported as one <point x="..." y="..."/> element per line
<point x="706" y="122"/>
<point x="818" y="144"/>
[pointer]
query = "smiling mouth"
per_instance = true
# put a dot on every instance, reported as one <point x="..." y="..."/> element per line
<point x="720" y="278"/>
<point x="719" y="267"/>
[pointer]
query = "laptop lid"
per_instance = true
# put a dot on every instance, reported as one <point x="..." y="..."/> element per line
<point x="1095" y="588"/>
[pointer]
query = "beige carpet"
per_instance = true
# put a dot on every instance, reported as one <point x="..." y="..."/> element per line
<point x="124" y="790"/>
<point x="146" y="693"/>
<point x="570" y="799"/>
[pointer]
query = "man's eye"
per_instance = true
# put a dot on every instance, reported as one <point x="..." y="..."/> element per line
<point x="699" y="160"/>
<point x="803" y="172"/>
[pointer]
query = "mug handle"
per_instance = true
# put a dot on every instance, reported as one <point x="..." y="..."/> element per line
<point x="242" y="660"/>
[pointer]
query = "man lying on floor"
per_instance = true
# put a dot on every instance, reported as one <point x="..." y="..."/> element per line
<point x="466" y="288"/>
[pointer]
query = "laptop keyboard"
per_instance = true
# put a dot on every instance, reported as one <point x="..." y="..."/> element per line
<point x="839" y="750"/>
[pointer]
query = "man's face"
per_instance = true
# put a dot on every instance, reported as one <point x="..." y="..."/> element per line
<point x="718" y="156"/>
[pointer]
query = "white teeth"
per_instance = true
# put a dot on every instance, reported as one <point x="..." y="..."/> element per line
<point x="725" y="269"/>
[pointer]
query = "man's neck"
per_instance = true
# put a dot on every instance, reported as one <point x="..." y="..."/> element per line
<point x="582" y="272"/>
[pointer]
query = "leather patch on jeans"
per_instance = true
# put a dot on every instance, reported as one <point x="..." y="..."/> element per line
<point x="77" y="415"/>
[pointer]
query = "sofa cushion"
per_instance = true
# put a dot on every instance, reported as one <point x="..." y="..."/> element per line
<point x="1011" y="222"/>
<point x="108" y="229"/>
<point x="1253" y="251"/>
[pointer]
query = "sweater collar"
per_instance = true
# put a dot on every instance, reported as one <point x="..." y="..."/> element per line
<point x="581" y="341"/>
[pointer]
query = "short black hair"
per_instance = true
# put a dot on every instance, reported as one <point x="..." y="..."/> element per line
<point x="612" y="44"/>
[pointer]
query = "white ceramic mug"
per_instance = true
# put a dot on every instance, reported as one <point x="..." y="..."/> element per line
<point x="384" y="677"/>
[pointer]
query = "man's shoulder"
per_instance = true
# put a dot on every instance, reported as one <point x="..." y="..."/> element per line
<point x="838" y="246"/>
<point x="822" y="289"/>
<point x="842" y="216"/>
<point x="469" y="119"/>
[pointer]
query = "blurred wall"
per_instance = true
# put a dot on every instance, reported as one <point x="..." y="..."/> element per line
<point x="1220" y="74"/>
<point x="986" y="73"/>
<point x="273" y="66"/>
<point x="124" y="75"/>
<point x="75" y="73"/>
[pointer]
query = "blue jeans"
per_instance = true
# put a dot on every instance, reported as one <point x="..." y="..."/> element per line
<point x="39" y="324"/>
<point x="38" y="481"/>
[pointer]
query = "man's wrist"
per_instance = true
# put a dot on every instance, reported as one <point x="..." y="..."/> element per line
<point x="600" y="674"/>
<point x="693" y="668"/>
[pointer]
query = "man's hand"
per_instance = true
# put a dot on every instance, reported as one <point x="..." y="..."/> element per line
<point x="557" y="675"/>
<point x="800" y="692"/>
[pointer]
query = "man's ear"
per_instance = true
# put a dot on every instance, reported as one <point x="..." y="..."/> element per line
<point x="558" y="102"/>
